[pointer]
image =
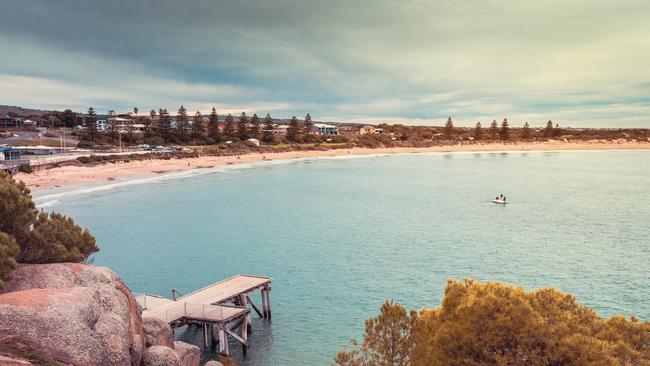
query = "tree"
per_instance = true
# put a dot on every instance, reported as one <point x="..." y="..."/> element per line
<point x="112" y="125"/>
<point x="548" y="131"/>
<point x="525" y="133"/>
<point x="557" y="131"/>
<point x="242" y="126"/>
<point x="135" y="111"/>
<point x="197" y="125"/>
<point x="41" y="237"/>
<point x="182" y="122"/>
<point x="308" y="125"/>
<point x="68" y="118"/>
<point x="164" y="124"/>
<point x="213" y="126"/>
<point x="8" y="252"/>
<point x="478" y="131"/>
<point x="150" y="123"/>
<point x="449" y="129"/>
<point x="505" y="130"/>
<point x="255" y="126"/>
<point x="497" y="324"/>
<point x="91" y="125"/>
<point x="56" y="238"/>
<point x="387" y="339"/>
<point x="494" y="129"/>
<point x="292" y="131"/>
<point x="229" y="128"/>
<point x="268" y="129"/>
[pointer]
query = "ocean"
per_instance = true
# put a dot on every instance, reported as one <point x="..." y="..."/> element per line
<point x="339" y="236"/>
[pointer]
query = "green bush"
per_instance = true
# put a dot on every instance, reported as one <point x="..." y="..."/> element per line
<point x="25" y="168"/>
<point x="27" y="236"/>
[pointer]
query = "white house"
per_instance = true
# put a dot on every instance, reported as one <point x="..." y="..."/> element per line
<point x="323" y="129"/>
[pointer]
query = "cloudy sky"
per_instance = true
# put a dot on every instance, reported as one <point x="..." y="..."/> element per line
<point x="578" y="62"/>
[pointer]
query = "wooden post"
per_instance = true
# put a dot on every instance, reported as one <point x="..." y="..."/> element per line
<point x="264" y="303"/>
<point x="223" y="342"/>
<point x="268" y="301"/>
<point x="205" y="335"/>
<point x="247" y="320"/>
<point x="244" y="334"/>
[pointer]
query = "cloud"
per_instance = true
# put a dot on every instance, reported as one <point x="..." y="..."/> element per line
<point x="581" y="63"/>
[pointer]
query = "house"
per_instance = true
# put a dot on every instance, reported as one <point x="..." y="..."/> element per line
<point x="367" y="130"/>
<point x="8" y="153"/>
<point x="370" y="130"/>
<point x="254" y="141"/>
<point x="280" y="129"/>
<point x="11" y="122"/>
<point x="323" y="129"/>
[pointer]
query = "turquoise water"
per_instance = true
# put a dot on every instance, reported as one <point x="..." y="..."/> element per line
<point x="339" y="236"/>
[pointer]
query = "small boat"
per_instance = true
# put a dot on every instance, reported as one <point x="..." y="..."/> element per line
<point x="500" y="202"/>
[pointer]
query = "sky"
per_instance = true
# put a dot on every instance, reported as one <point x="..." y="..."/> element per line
<point x="581" y="63"/>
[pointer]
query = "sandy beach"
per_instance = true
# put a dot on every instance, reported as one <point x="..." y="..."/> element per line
<point x="71" y="175"/>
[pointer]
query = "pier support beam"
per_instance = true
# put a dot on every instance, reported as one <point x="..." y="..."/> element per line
<point x="205" y="336"/>
<point x="268" y="302"/>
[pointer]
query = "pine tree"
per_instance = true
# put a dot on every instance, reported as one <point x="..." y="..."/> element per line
<point x="112" y="125"/>
<point x="182" y="121"/>
<point x="505" y="130"/>
<point x="213" y="127"/>
<point x="449" y="129"/>
<point x="548" y="131"/>
<point x="242" y="126"/>
<point x="91" y="125"/>
<point x="268" y="129"/>
<point x="494" y="129"/>
<point x="478" y="131"/>
<point x="229" y="128"/>
<point x="255" y="126"/>
<point x="557" y="131"/>
<point x="292" y="131"/>
<point x="164" y="124"/>
<point x="525" y="133"/>
<point x="197" y="125"/>
<point x="150" y="123"/>
<point x="308" y="125"/>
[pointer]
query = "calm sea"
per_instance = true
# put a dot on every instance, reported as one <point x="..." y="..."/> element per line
<point x="340" y="236"/>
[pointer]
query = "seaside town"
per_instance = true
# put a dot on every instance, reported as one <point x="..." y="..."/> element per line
<point x="31" y="139"/>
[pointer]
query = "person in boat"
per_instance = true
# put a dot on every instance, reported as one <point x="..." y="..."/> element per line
<point x="496" y="198"/>
<point x="504" y="198"/>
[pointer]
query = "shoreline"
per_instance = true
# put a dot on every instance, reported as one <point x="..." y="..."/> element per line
<point x="65" y="176"/>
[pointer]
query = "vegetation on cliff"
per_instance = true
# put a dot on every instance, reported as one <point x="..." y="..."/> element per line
<point x="30" y="236"/>
<point x="497" y="324"/>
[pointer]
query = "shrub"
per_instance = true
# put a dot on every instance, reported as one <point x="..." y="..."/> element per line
<point x="16" y="208"/>
<point x="8" y="252"/>
<point x="497" y="324"/>
<point x="41" y="238"/>
<point x="25" y="168"/>
<point x="56" y="238"/>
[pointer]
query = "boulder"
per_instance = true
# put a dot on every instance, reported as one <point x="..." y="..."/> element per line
<point x="213" y="363"/>
<point x="190" y="355"/>
<point x="73" y="313"/>
<point x="160" y="356"/>
<point x="157" y="332"/>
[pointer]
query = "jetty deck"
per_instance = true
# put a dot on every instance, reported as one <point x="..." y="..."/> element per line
<point x="215" y="308"/>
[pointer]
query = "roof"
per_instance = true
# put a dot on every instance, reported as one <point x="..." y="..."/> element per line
<point x="5" y="148"/>
<point x="322" y="125"/>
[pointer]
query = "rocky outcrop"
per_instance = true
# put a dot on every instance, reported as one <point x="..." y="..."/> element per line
<point x="190" y="355"/>
<point x="160" y="356"/>
<point x="157" y="332"/>
<point x="74" y="314"/>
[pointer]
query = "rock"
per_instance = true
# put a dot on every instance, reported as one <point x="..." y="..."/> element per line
<point x="157" y="332"/>
<point x="190" y="355"/>
<point x="213" y="363"/>
<point x="160" y="356"/>
<point x="73" y="313"/>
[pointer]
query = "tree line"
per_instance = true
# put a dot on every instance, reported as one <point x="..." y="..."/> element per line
<point x="159" y="127"/>
<point x="502" y="132"/>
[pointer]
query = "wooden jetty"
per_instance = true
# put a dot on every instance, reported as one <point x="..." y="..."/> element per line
<point x="221" y="309"/>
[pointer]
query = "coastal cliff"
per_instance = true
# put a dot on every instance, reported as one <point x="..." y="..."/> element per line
<point x="77" y="314"/>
